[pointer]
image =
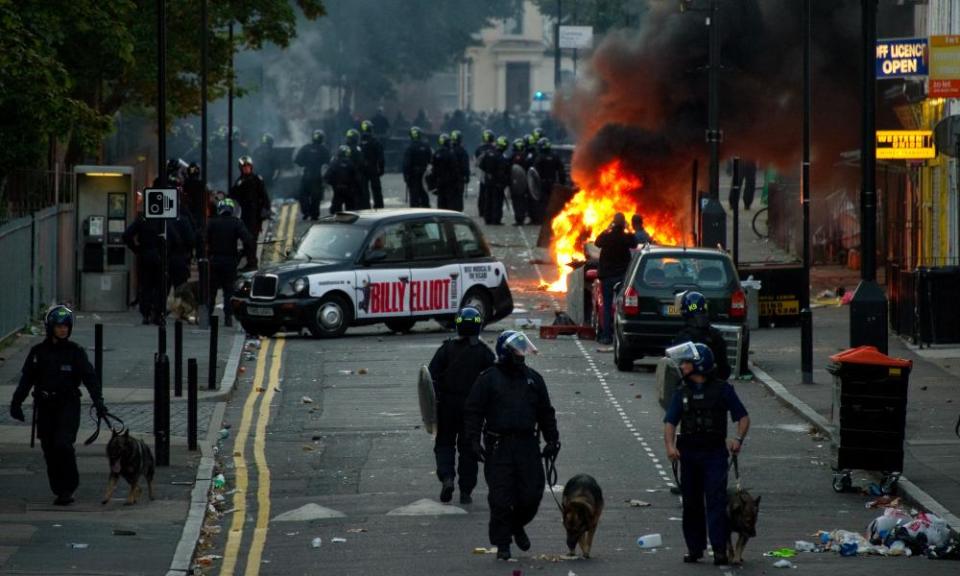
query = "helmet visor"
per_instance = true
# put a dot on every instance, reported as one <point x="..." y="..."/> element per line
<point x="520" y="345"/>
<point x="686" y="352"/>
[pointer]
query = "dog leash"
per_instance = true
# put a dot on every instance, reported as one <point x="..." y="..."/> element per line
<point x="550" y="471"/>
<point x="735" y="464"/>
<point x="109" y="419"/>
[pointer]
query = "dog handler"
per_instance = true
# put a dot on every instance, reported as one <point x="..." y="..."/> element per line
<point x="455" y="367"/>
<point x="508" y="404"/>
<point x="700" y="409"/>
<point x="55" y="368"/>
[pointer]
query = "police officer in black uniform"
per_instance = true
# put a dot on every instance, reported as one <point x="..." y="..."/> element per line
<point x="181" y="241"/>
<point x="454" y="368"/>
<point x="194" y="194"/>
<point x="416" y="158"/>
<point x="696" y="328"/>
<point x="551" y="170"/>
<point x="373" y="164"/>
<point x="352" y="140"/>
<point x="343" y="177"/>
<point x="521" y="204"/>
<point x="446" y="174"/>
<point x="143" y="238"/>
<point x="55" y="368"/>
<point x="700" y="408"/>
<point x="509" y="405"/>
<point x="250" y="194"/>
<point x="487" y="144"/>
<point x="496" y="165"/>
<point x="264" y="159"/>
<point x="223" y="232"/>
<point x="312" y="158"/>
<point x="463" y="165"/>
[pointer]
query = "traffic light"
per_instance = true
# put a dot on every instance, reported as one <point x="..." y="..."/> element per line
<point x="539" y="95"/>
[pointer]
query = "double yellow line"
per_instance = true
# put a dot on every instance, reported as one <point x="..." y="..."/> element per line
<point x="267" y="392"/>
<point x="286" y="228"/>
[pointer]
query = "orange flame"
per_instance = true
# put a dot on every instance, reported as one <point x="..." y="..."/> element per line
<point x="591" y="210"/>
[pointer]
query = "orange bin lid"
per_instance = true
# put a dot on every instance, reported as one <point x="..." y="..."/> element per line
<point x="871" y="356"/>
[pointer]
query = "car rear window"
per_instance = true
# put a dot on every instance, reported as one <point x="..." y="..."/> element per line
<point x="668" y="271"/>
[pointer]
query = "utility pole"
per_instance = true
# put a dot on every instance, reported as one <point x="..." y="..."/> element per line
<point x="161" y="369"/>
<point x="556" y="49"/>
<point x="230" y="111"/>
<point x="203" y="264"/>
<point x="806" y="315"/>
<point x="714" y="225"/>
<point x="868" y="309"/>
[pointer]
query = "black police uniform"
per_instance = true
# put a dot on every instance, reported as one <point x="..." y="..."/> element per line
<point x="463" y="165"/>
<point x="343" y="177"/>
<point x="312" y="158"/>
<point x="497" y="165"/>
<point x="416" y="158"/>
<point x="478" y="155"/>
<point x="223" y="231"/>
<point x="181" y="240"/>
<point x="508" y="403"/>
<point x="551" y="171"/>
<point x="373" y="165"/>
<point x="520" y="200"/>
<point x="713" y="338"/>
<point x="446" y="174"/>
<point x="55" y="370"/>
<point x="196" y="198"/>
<point x="701" y="412"/>
<point x="142" y="237"/>
<point x="250" y="194"/>
<point x="455" y="367"/>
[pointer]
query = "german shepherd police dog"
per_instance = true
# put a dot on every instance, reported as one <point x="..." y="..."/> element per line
<point x="743" y="509"/>
<point x="582" y="507"/>
<point x="130" y="458"/>
<point x="182" y="302"/>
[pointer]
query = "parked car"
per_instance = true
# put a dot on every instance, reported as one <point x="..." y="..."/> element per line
<point x="647" y="316"/>
<point x="397" y="266"/>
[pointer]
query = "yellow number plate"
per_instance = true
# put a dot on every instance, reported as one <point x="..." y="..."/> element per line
<point x="671" y="310"/>
<point x="780" y="308"/>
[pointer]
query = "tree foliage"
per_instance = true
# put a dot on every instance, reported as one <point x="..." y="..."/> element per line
<point x="603" y="15"/>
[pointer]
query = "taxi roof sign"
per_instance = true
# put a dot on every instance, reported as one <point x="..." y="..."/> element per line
<point x="905" y="145"/>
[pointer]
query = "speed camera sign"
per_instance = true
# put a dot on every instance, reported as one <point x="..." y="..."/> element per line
<point x="160" y="203"/>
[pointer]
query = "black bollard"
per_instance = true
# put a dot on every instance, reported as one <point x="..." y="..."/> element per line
<point x="178" y="359"/>
<point x="212" y="368"/>
<point x="161" y="414"/>
<point x="192" y="404"/>
<point x="98" y="352"/>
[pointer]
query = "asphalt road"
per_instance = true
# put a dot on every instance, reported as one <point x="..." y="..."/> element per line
<point x="357" y="450"/>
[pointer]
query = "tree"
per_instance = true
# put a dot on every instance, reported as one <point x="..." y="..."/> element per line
<point x="603" y="15"/>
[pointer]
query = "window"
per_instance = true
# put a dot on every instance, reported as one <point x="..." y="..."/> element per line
<point x="471" y="245"/>
<point x="513" y="26"/>
<point x="672" y="271"/>
<point x="389" y="239"/>
<point x="428" y="241"/>
<point x="331" y="241"/>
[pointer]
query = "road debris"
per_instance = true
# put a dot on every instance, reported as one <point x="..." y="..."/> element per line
<point x="306" y="400"/>
<point x="634" y="503"/>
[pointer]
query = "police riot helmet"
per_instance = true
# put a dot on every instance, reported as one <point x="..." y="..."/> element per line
<point x="343" y="151"/>
<point x="513" y="346"/>
<point x="538" y="133"/>
<point x="469" y="321"/>
<point x="58" y="315"/>
<point x="698" y="355"/>
<point x="245" y="161"/>
<point x="530" y="140"/>
<point x="456" y="136"/>
<point x="415" y="132"/>
<point x="693" y="304"/>
<point x="502" y="143"/>
<point x="518" y="143"/>
<point x="366" y="126"/>
<point x="444" y="139"/>
<point x="352" y="136"/>
<point x="227" y="207"/>
<point x="267" y="138"/>
<point x="543" y="144"/>
<point x="193" y="170"/>
<point x="488" y="136"/>
<point x="319" y="136"/>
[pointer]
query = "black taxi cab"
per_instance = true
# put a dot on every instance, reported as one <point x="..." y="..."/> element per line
<point x="395" y="266"/>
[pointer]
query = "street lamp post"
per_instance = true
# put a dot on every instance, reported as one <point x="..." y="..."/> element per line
<point x="714" y="218"/>
<point x="868" y="309"/>
<point x="202" y="261"/>
<point x="806" y="315"/>
<point x="556" y="49"/>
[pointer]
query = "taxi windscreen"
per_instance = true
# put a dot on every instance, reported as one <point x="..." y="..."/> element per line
<point x="331" y="241"/>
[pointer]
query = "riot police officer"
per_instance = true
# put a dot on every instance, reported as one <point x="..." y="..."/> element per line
<point x="487" y="144"/>
<point x="343" y="177"/>
<point x="496" y="165"/>
<point x="223" y="232"/>
<point x="373" y="164"/>
<point x="454" y="368"/>
<point x="521" y="204"/>
<point x="463" y="165"/>
<point x="551" y="170"/>
<point x="195" y="194"/>
<point x="509" y="405"/>
<point x="446" y="174"/>
<point x="700" y="409"/>
<point x="416" y="158"/>
<point x="352" y="140"/>
<point x="263" y="158"/>
<point x="312" y="158"/>
<point x="696" y="319"/>
<point x="250" y="194"/>
<point x="143" y="238"/>
<point x="55" y="368"/>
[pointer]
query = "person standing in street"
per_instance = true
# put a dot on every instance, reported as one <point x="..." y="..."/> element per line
<point x="519" y="197"/>
<point x="614" y="243"/>
<point x="264" y="157"/>
<point x="509" y="407"/>
<point x="416" y="158"/>
<point x="312" y="158"/>
<point x="700" y="409"/>
<point x="342" y="176"/>
<point x="463" y="165"/>
<point x="251" y="196"/>
<point x="361" y="198"/>
<point x="55" y="369"/>
<point x="446" y="174"/>
<point x="223" y="232"/>
<point x="454" y="368"/>
<point x="487" y="145"/>
<point x="496" y="166"/>
<point x="373" y="164"/>
<point x="639" y="231"/>
<point x="143" y="238"/>
<point x="551" y="170"/>
<point x="697" y="329"/>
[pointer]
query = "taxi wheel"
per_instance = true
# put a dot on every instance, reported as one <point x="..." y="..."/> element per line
<point x="479" y="299"/>
<point x="331" y="317"/>
<point x="403" y="325"/>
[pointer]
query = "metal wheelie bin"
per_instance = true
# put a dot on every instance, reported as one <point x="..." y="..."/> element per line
<point x="869" y="414"/>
